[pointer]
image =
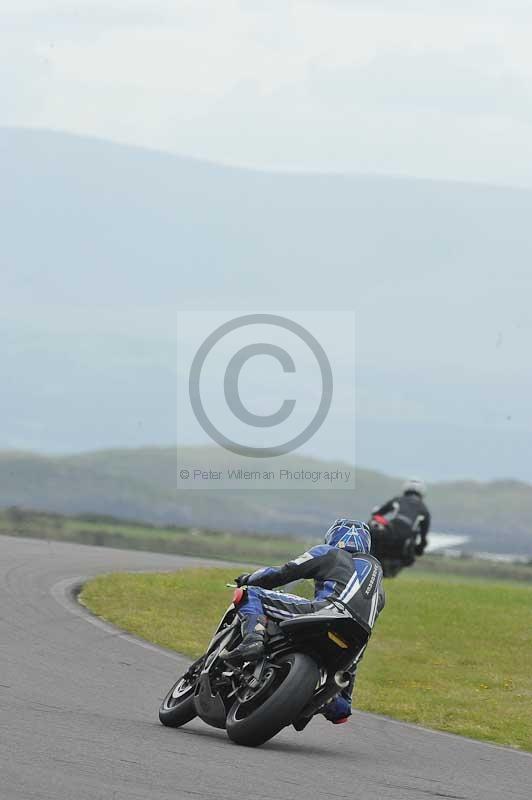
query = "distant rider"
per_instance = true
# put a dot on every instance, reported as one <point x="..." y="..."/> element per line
<point x="336" y="573"/>
<point x="407" y="524"/>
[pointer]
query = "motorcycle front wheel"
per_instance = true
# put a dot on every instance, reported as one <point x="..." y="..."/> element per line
<point x="178" y="706"/>
<point x="252" y="721"/>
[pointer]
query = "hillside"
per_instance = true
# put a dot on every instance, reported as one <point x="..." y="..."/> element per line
<point x="103" y="243"/>
<point x="139" y="485"/>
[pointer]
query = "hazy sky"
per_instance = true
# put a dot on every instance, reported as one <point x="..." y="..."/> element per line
<point x="417" y="87"/>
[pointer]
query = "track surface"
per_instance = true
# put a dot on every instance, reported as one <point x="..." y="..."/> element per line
<point x="78" y="715"/>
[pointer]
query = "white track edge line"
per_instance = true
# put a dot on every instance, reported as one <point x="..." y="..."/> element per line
<point x="62" y="592"/>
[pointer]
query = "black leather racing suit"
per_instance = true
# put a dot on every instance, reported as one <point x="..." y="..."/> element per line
<point x="409" y="521"/>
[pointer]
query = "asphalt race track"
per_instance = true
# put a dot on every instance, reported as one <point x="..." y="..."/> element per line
<point x="79" y="701"/>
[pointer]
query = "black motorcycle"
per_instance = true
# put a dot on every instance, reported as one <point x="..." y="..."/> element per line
<point x="393" y="549"/>
<point x="305" y="665"/>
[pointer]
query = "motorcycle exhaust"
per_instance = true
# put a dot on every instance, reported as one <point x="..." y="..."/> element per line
<point x="330" y="690"/>
<point x="342" y="678"/>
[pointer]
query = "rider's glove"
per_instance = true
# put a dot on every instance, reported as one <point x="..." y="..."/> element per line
<point x="243" y="579"/>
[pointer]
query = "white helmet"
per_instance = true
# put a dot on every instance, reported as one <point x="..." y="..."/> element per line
<point x="415" y="485"/>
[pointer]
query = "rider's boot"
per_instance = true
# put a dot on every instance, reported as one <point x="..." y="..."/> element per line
<point x="338" y="710"/>
<point x="251" y="647"/>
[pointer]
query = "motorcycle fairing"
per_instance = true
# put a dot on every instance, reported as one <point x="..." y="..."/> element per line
<point x="341" y="623"/>
<point x="210" y="707"/>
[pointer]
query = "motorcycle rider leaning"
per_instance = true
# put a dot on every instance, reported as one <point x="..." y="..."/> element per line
<point x="337" y="574"/>
<point x="409" y="519"/>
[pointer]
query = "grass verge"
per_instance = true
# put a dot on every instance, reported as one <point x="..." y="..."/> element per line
<point x="446" y="653"/>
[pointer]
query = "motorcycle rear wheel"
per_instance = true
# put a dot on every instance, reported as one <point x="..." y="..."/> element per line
<point x="251" y="725"/>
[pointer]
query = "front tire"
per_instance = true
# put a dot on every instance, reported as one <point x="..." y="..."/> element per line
<point x="253" y="725"/>
<point x="178" y="706"/>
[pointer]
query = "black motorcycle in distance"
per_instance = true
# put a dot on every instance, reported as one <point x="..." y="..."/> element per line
<point x="394" y="551"/>
<point x="304" y="667"/>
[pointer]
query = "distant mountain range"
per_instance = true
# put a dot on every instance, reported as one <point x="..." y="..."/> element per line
<point x="102" y="243"/>
<point x="139" y="484"/>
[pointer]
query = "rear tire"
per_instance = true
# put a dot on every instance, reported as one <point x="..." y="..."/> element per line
<point x="281" y="708"/>
<point x="177" y="711"/>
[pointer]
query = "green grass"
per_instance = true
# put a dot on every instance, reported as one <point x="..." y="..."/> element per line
<point x="447" y="654"/>
<point x="469" y="567"/>
<point x="455" y="656"/>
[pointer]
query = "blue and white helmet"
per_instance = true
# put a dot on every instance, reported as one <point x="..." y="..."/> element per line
<point x="350" y="535"/>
